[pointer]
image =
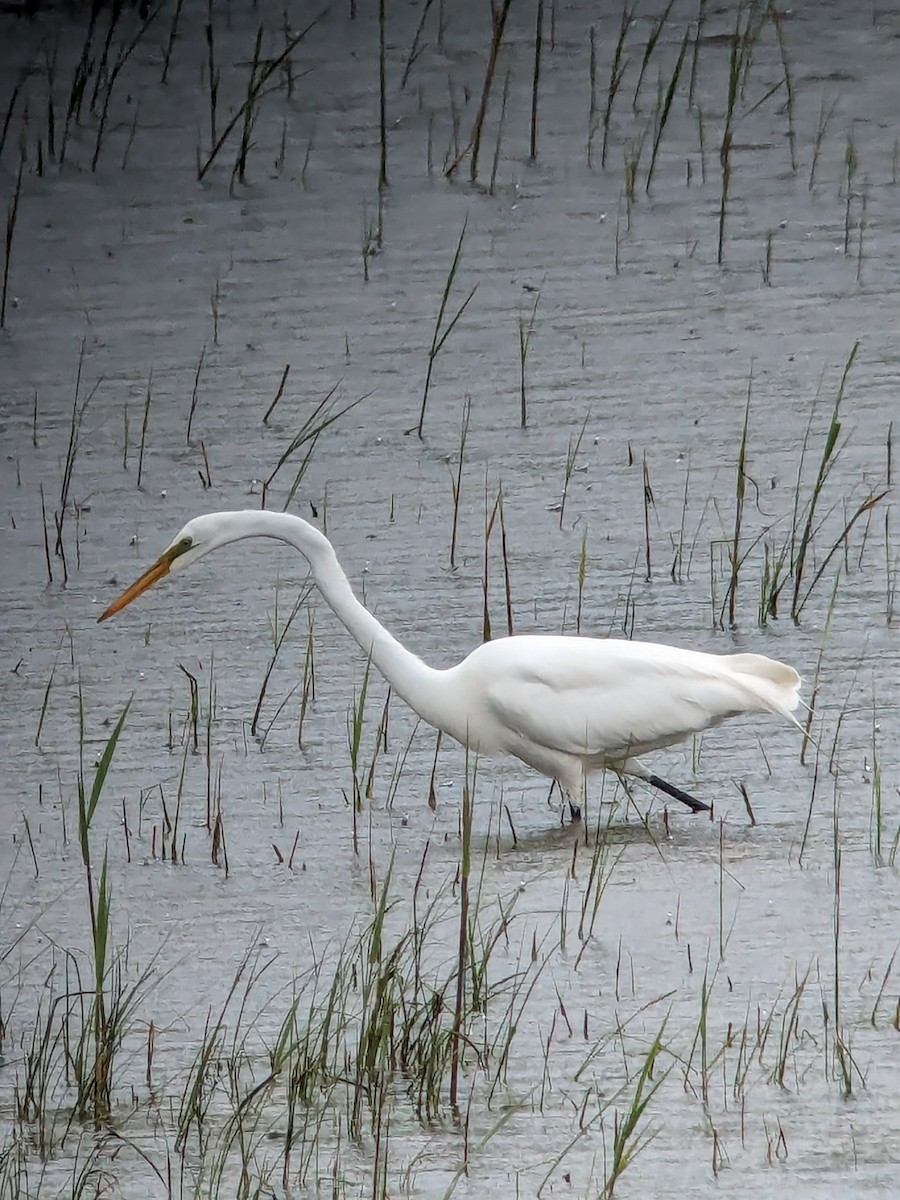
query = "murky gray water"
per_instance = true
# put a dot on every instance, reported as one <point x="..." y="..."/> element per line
<point x="760" y="956"/>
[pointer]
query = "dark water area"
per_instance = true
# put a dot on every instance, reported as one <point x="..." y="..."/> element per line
<point x="654" y="1003"/>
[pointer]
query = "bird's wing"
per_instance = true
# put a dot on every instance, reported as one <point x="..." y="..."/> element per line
<point x="610" y="699"/>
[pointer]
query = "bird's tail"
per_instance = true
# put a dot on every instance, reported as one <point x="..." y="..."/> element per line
<point x="775" y="685"/>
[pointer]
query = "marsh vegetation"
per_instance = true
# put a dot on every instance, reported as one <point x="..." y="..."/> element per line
<point x="567" y="318"/>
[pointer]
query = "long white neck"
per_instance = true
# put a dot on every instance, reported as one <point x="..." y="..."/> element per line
<point x="414" y="681"/>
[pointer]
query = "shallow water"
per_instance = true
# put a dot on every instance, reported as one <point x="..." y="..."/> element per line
<point x="640" y="339"/>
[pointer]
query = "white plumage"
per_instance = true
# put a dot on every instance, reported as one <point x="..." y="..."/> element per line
<point x="566" y="706"/>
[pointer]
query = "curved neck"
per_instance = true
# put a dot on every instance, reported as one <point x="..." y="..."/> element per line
<point x="412" y="679"/>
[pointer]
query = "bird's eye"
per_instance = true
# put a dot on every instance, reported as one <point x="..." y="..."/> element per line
<point x="180" y="547"/>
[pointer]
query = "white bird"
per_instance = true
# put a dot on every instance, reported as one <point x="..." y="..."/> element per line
<point x="567" y="706"/>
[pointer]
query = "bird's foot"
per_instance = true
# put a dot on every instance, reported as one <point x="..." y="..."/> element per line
<point x="677" y="794"/>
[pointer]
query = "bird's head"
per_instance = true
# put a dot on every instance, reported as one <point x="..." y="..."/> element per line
<point x="197" y="538"/>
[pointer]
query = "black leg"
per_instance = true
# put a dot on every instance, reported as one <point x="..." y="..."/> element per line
<point x="574" y="811"/>
<point x="677" y="794"/>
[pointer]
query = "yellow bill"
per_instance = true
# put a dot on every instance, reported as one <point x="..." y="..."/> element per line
<point x="159" y="570"/>
<point x="152" y="575"/>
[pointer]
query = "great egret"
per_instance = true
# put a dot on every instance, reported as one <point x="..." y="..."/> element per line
<point x="566" y="706"/>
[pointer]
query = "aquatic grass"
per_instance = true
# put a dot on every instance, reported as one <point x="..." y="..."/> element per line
<point x="734" y="552"/>
<point x="249" y="113"/>
<point x="245" y="115"/>
<point x="628" y="1141"/>
<point x="414" y="49"/>
<point x="193" y="717"/>
<point x="661" y="115"/>
<point x="80" y="77"/>
<point x="218" y="846"/>
<point x="282" y="145"/>
<point x="843" y="1064"/>
<point x="12" y="214"/>
<point x="322" y="417"/>
<point x="735" y="65"/>
<point x="851" y="164"/>
<point x="207" y="746"/>
<point x="305" y="1118"/>
<point x="465" y="861"/>
<point x="876" y="812"/>
<point x="499" y="13"/>
<point x="310" y="146"/>
<point x="441" y="333"/>
<point x="699" y="27"/>
<point x="10" y="109"/>
<point x="536" y="76"/>
<point x="861" y="226"/>
<point x="826" y="112"/>
<point x="170" y="41"/>
<point x="582" y="579"/>
<point x="881" y="990"/>
<point x="652" y="38"/>
<point x="386" y="1017"/>
<point x="593" y="118"/>
<point x="501" y="127"/>
<point x="500" y="512"/>
<point x="803" y="543"/>
<point x="44" y="703"/>
<point x="603" y="1101"/>
<point x="776" y="1143"/>
<point x="769" y="258"/>
<point x="777" y="20"/>
<point x="308" y="693"/>
<point x="616" y="74"/>
<point x="526" y="329"/>
<point x="372" y="1023"/>
<point x="680" y="571"/>
<point x="382" y="105"/>
<point x="456" y="481"/>
<point x="490" y="516"/>
<point x="571" y="465"/>
<point x="453" y="154"/>
<point x="37" y="871"/>
<point x="520" y="987"/>
<point x="701" y="143"/>
<point x="790" y="1033"/>
<point x="215" y="297"/>
<point x="107" y="1005"/>
<point x="701" y="1036"/>
<point x="429" y="146"/>
<point x="42" y="1073"/>
<point x="356" y="714"/>
<point x="278" y="394"/>
<point x="145" y="422"/>
<point x="814" y="695"/>
<point x="603" y="864"/>
<point x="278" y="639"/>
<point x="788" y="563"/>
<point x="371" y="240"/>
<point x="432" y="788"/>
<point x="204" y="1074"/>
<point x="132" y="134"/>
<point x="123" y="55"/>
<point x="75" y="422"/>
<point x="195" y="395"/>
<point x="100" y="69"/>
<point x="380" y="746"/>
<point x="631" y="163"/>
